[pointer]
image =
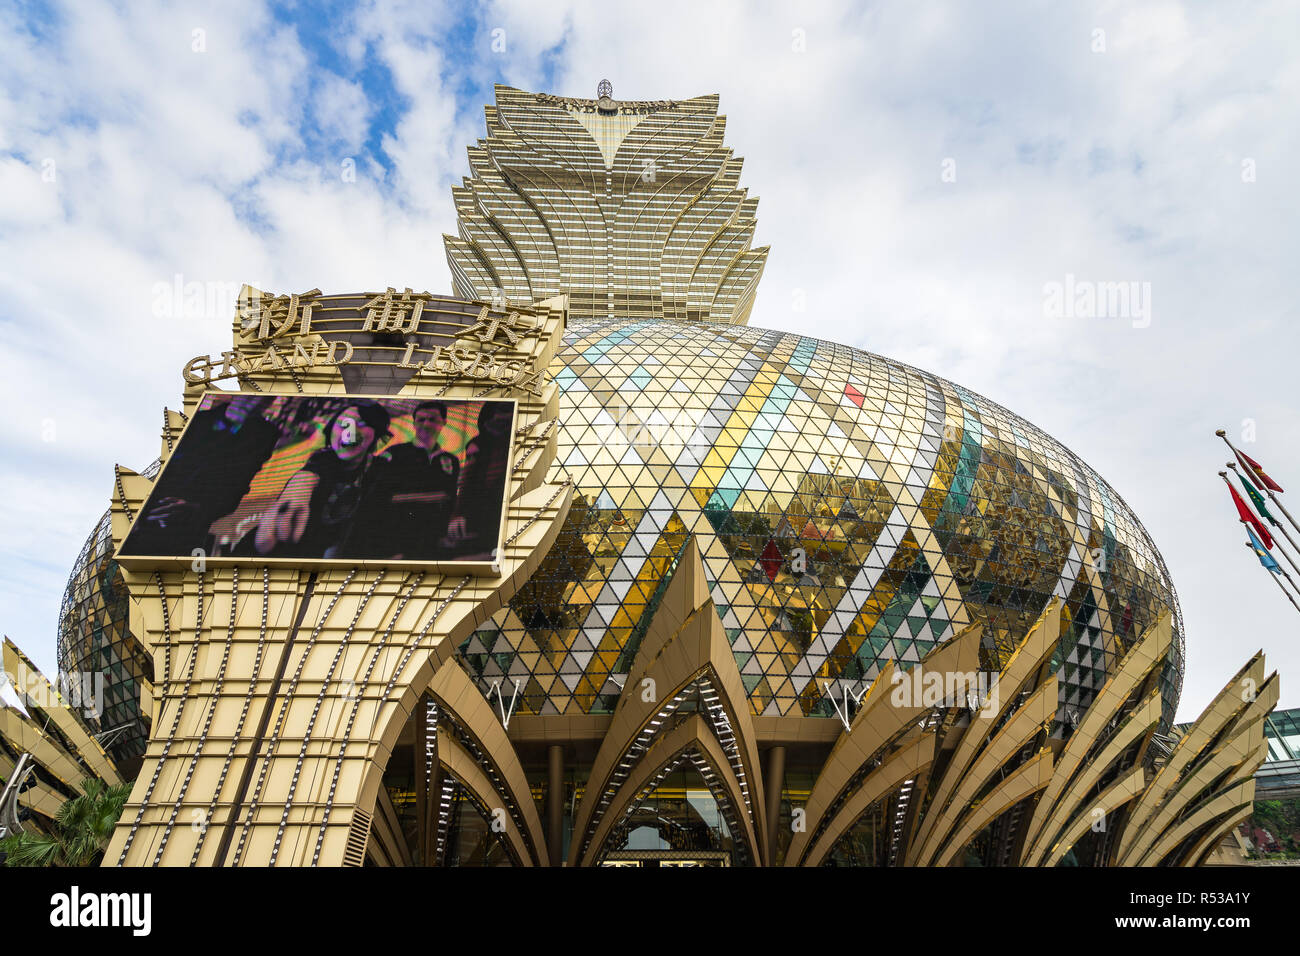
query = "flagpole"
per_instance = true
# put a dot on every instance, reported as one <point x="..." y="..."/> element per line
<point x="1281" y="550"/>
<point x="1267" y="490"/>
<point x="1276" y="581"/>
<point x="1280" y="507"/>
<point x="1276" y="524"/>
<point x="1284" y="574"/>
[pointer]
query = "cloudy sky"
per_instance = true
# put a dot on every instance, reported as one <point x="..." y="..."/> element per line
<point x="925" y="173"/>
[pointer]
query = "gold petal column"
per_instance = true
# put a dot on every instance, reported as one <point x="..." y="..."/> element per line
<point x="280" y="691"/>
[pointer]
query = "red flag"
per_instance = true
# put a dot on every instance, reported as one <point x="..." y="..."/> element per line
<point x="1248" y="516"/>
<point x="1256" y="472"/>
<point x="1250" y="472"/>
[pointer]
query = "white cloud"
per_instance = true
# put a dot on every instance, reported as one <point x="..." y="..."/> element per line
<point x="1117" y="165"/>
<point x="342" y="111"/>
<point x="173" y="165"/>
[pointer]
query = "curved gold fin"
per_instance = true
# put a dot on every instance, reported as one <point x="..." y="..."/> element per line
<point x="1143" y="657"/>
<point x="1239" y="757"/>
<point x="1139" y="722"/>
<point x="1034" y="651"/>
<point x="1015" y="735"/>
<point x="904" y="764"/>
<point x="25" y="678"/>
<point x="1028" y="779"/>
<point x="1116" y="795"/>
<point x="1229" y="802"/>
<point x="454" y="691"/>
<point x="1216" y="834"/>
<point x="1238" y="726"/>
<point x="461" y="765"/>
<point x="880" y="718"/>
<point x="388" y="846"/>
<point x="684" y="643"/>
<point x="693" y="733"/>
<point x="1219" y="711"/>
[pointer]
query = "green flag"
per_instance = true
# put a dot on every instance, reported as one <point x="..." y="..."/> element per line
<point x="1256" y="497"/>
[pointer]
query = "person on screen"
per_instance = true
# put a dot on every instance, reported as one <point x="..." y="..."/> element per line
<point x="475" y="524"/>
<point x="207" y="476"/>
<point x="416" y="489"/>
<point x="313" y="517"/>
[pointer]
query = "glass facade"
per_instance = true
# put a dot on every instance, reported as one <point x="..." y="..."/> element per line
<point x="94" y="641"/>
<point x="1279" y="777"/>
<point x="850" y="510"/>
<point x="1282" y="731"/>
<point x="630" y="208"/>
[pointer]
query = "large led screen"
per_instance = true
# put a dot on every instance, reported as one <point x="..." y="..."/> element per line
<point x="344" y="479"/>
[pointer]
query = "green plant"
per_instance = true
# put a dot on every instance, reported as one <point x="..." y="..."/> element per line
<point x="82" y="829"/>
<point x="1282" y="819"/>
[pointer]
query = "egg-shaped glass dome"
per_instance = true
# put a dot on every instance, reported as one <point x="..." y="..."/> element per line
<point x="849" y="510"/>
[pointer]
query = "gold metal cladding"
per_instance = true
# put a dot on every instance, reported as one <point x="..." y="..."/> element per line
<point x="1228" y="802"/>
<point x="1100" y="807"/>
<point x="1173" y="777"/>
<point x="25" y="737"/>
<point x="1239" y="758"/>
<point x="1025" y="724"/>
<point x="1209" y="724"/>
<point x="1197" y="855"/>
<point x="637" y="214"/>
<point x="388" y="844"/>
<point x="905" y="763"/>
<point x="1199" y="734"/>
<point x="1229" y="768"/>
<point x="278" y="699"/>
<point x="1025" y="666"/>
<point x="1240" y="748"/>
<point x="1137" y="724"/>
<point x="685" y="645"/>
<point x="1145" y="656"/>
<point x="456" y="695"/>
<point x="27" y="678"/>
<point x="458" y="762"/>
<point x="1024" y="782"/>
<point x="1236" y="747"/>
<point x="51" y="733"/>
<point x="693" y="735"/>
<point x="878" y="721"/>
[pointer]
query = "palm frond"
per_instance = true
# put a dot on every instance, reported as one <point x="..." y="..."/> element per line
<point x="31" y="848"/>
<point x="82" y="829"/>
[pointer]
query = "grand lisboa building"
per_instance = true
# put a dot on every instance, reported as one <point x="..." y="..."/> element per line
<point x="831" y="517"/>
